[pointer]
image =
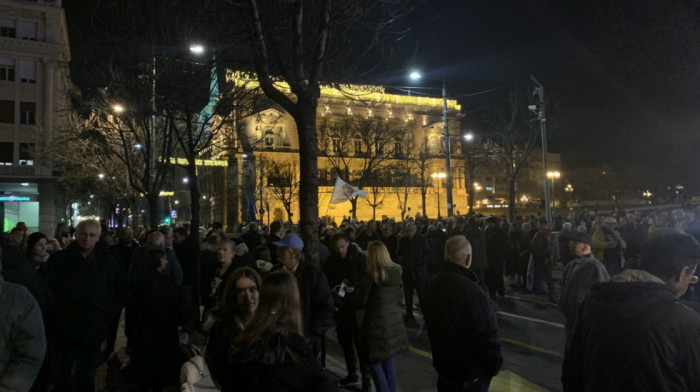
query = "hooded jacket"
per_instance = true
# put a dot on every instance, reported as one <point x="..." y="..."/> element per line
<point x="633" y="334"/>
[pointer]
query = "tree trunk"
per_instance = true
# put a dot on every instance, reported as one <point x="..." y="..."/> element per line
<point x="194" y="195"/>
<point x="305" y="119"/>
<point x="511" y="199"/>
<point x="353" y="202"/>
<point x="153" y="209"/>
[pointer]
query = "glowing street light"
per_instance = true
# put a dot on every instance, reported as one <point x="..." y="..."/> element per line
<point x="552" y="175"/>
<point x="101" y="176"/>
<point x="438" y="176"/>
<point x="197" y="49"/>
<point x="469" y="137"/>
<point x="117" y="108"/>
<point x="415" y="75"/>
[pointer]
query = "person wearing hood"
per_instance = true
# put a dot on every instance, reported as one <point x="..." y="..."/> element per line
<point x="633" y="333"/>
<point x="579" y="275"/>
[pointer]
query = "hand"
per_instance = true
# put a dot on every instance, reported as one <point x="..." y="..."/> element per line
<point x="349" y="289"/>
<point x="215" y="285"/>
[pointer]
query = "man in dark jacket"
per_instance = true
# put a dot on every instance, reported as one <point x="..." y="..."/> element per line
<point x="414" y="258"/>
<point x="478" y="243"/>
<point x="87" y="287"/>
<point x="461" y="324"/>
<point x="632" y="333"/>
<point x="315" y="295"/>
<point x="344" y="269"/>
<point x="496" y="247"/>
<point x="186" y="246"/>
<point x="541" y="260"/>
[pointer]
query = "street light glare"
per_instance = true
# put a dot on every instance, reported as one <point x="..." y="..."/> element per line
<point x="118" y="108"/>
<point x="197" y="49"/>
<point x="469" y="137"/>
<point x="415" y="75"/>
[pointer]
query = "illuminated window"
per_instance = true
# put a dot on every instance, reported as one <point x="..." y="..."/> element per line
<point x="398" y="149"/>
<point x="358" y="146"/>
<point x="335" y="144"/>
<point x="7" y="70"/>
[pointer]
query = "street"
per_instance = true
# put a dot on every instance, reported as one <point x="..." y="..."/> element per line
<point x="532" y="334"/>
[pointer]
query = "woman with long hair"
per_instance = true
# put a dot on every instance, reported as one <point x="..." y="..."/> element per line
<point x="271" y="354"/>
<point x="382" y="331"/>
<point x="229" y="317"/>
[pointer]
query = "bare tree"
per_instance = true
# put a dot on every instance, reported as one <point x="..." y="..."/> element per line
<point x="511" y="138"/>
<point x="282" y="182"/>
<point x="363" y="145"/>
<point x="302" y="43"/>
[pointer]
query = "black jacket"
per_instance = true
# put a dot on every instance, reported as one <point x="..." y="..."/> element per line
<point x="316" y="299"/>
<point x="477" y="238"/>
<point x="462" y="326"/>
<point x="87" y="293"/>
<point x="414" y="257"/>
<point x="352" y="268"/>
<point x="279" y="361"/>
<point x="634" y="335"/>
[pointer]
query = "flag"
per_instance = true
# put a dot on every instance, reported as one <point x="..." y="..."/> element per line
<point x="252" y="211"/>
<point x="344" y="192"/>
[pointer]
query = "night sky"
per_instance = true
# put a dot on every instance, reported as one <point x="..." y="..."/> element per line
<point x="625" y="76"/>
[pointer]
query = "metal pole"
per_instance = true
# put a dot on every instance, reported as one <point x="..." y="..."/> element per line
<point x="152" y="147"/>
<point x="448" y="179"/>
<point x="539" y="91"/>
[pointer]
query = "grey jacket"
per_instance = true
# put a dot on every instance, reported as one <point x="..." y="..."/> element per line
<point x="577" y="279"/>
<point x="22" y="338"/>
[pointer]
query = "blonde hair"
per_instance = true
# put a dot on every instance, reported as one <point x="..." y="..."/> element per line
<point x="279" y="306"/>
<point x="378" y="260"/>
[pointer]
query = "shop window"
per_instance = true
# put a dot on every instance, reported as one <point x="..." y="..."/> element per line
<point x="27" y="71"/>
<point x="26" y="154"/>
<point x="7" y="111"/>
<point x="7" y="70"/>
<point x="6" y="154"/>
<point x="7" y="28"/>
<point x="27" y="113"/>
<point x="27" y="30"/>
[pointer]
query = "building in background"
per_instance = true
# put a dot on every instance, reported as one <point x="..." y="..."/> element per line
<point x="34" y="100"/>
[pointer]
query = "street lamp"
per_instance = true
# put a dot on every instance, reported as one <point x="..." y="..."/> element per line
<point x="117" y="108"/>
<point x="477" y="188"/>
<point x="469" y="137"/>
<point x="415" y="75"/>
<point x="552" y="175"/>
<point x="438" y="176"/>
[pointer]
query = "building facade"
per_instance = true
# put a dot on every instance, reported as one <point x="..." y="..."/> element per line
<point x="34" y="100"/>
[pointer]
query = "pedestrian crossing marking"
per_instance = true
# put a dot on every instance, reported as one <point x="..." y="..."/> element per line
<point x="531" y="347"/>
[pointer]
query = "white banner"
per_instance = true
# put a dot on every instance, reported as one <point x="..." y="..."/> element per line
<point x="344" y="192"/>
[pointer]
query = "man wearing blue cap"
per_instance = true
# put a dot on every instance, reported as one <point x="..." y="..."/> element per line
<point x="314" y="292"/>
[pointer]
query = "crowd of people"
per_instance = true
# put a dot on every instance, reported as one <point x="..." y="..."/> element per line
<point x="265" y="309"/>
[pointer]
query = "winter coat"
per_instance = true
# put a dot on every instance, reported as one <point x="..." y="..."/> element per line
<point x="316" y="300"/>
<point x="382" y="332"/>
<point x="188" y="255"/>
<point x="478" y="241"/>
<point x="577" y="279"/>
<point x="633" y="334"/>
<point x="351" y="268"/>
<point x="496" y="246"/>
<point x="436" y="243"/>
<point x="159" y="311"/>
<point x="280" y="361"/>
<point x="414" y="257"/>
<point x="22" y="339"/>
<point x="541" y="246"/>
<point x="462" y="326"/>
<point x="87" y="293"/>
<point x="220" y="336"/>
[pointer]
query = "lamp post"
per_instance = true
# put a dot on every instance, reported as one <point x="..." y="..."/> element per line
<point x="438" y="176"/>
<point x="448" y="181"/>
<point x="552" y="175"/>
<point x="477" y="188"/>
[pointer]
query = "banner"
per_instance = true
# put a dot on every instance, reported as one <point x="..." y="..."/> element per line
<point x="344" y="192"/>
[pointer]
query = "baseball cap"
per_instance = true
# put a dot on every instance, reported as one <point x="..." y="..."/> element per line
<point x="291" y="240"/>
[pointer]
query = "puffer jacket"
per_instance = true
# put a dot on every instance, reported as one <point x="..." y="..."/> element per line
<point x="382" y="332"/>
<point x="22" y="339"/>
<point x="633" y="334"/>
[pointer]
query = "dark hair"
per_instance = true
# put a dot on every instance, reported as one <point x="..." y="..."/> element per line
<point x="32" y="240"/>
<point x="275" y="226"/>
<point x="180" y="231"/>
<point x="153" y="259"/>
<point x="667" y="252"/>
<point x="339" y="236"/>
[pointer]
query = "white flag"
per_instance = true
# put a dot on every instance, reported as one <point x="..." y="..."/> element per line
<point x="344" y="192"/>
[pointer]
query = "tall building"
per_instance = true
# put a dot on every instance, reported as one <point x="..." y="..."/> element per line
<point x="34" y="100"/>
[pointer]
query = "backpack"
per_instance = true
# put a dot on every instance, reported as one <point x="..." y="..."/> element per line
<point x="194" y="375"/>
